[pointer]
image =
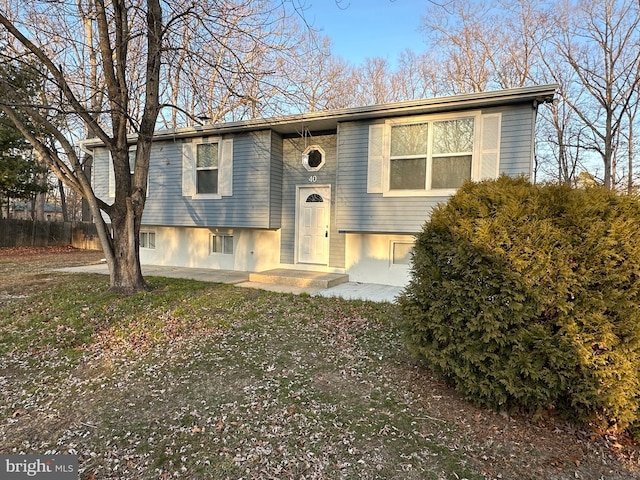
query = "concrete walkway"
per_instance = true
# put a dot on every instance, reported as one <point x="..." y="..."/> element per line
<point x="350" y="290"/>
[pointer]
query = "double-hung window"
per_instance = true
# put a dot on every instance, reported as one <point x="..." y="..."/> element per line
<point x="207" y="168"/>
<point x="207" y="161"/>
<point x="408" y="157"/>
<point x="431" y="155"/>
<point x="452" y="152"/>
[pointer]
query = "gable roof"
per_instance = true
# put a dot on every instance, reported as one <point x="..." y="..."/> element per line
<point x="329" y="119"/>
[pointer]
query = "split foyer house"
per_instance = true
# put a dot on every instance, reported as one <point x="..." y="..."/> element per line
<point x="340" y="191"/>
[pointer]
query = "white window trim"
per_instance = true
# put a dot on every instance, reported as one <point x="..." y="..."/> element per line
<point x="305" y="158"/>
<point x="148" y="232"/>
<point x="392" y="244"/>
<point x="212" y="237"/>
<point x="206" y="141"/>
<point x="225" y="168"/>
<point x="386" y="149"/>
<point x="134" y="149"/>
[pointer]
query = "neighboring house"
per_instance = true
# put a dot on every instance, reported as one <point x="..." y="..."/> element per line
<point x="23" y="211"/>
<point x="334" y="191"/>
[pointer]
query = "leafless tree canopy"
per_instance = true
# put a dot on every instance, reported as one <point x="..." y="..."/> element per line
<point x="110" y="69"/>
<point x="589" y="47"/>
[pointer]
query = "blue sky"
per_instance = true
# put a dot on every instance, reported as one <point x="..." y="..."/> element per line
<point x="368" y="28"/>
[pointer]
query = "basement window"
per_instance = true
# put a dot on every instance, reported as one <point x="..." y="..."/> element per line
<point x="401" y="253"/>
<point x="222" y="244"/>
<point x="147" y="239"/>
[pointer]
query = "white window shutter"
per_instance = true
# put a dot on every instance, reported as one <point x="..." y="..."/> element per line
<point x="225" y="169"/>
<point x="490" y="147"/>
<point x="112" y="178"/>
<point x="375" y="166"/>
<point x="188" y="170"/>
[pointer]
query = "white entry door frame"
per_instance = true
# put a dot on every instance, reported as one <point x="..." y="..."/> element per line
<point x="313" y="218"/>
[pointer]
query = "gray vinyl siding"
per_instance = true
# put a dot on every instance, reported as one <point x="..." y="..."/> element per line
<point x="516" y="146"/>
<point x="101" y="174"/>
<point x="359" y="211"/>
<point x="295" y="175"/>
<point x="291" y="175"/>
<point x="276" y="181"/>
<point x="248" y="207"/>
<point x="337" y="245"/>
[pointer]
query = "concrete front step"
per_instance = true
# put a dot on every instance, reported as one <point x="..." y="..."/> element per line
<point x="299" y="278"/>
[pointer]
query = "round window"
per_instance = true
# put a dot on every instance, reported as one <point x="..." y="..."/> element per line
<point x="313" y="158"/>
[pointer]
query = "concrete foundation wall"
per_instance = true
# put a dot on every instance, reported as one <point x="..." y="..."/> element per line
<point x="253" y="250"/>
<point x="369" y="259"/>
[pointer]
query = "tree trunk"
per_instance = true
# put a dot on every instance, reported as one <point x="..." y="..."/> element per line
<point x="124" y="263"/>
<point x="40" y="199"/>
<point x="607" y="155"/>
<point x="630" y="154"/>
<point x="63" y="201"/>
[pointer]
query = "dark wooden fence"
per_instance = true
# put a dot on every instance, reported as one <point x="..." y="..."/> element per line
<point x="27" y="233"/>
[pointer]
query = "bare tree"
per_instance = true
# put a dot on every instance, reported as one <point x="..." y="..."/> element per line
<point x="226" y="61"/>
<point x="373" y="82"/>
<point x="118" y="23"/>
<point x="599" y="40"/>
<point x="110" y="85"/>
<point x="318" y="80"/>
<point x="459" y="31"/>
<point x="560" y="146"/>
<point x="415" y="77"/>
<point x="519" y="26"/>
<point x="561" y="137"/>
<point x="487" y="44"/>
<point x="631" y="140"/>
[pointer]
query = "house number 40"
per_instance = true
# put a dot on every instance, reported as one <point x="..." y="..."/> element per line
<point x="313" y="179"/>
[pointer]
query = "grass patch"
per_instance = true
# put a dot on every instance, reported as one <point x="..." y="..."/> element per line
<point x="194" y="380"/>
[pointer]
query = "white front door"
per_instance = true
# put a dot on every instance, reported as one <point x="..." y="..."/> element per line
<point x="313" y="224"/>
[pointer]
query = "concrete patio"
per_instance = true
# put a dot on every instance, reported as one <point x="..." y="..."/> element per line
<point x="279" y="280"/>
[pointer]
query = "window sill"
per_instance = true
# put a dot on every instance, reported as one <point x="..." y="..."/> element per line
<point x="445" y="192"/>
<point x="206" y="196"/>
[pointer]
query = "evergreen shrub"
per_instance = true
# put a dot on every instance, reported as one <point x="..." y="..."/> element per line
<point x="527" y="296"/>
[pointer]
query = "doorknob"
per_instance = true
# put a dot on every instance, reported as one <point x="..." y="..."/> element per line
<point x="326" y="234"/>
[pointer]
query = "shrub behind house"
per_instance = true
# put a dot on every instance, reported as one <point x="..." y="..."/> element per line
<point x="528" y="296"/>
